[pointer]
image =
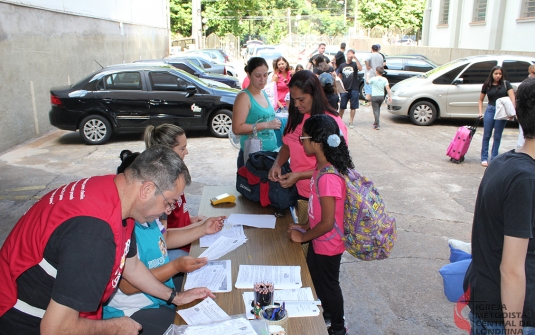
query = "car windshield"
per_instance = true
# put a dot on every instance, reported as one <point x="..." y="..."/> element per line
<point x="443" y="68"/>
<point x="191" y="77"/>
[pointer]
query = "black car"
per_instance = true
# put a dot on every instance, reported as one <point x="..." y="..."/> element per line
<point x="129" y="98"/>
<point x="191" y="68"/>
<point x="401" y="67"/>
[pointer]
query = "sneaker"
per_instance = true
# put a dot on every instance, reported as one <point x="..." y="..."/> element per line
<point x="484" y="164"/>
<point x="365" y="103"/>
<point x="351" y="126"/>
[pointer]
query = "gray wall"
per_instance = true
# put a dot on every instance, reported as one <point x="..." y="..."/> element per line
<point x="40" y="49"/>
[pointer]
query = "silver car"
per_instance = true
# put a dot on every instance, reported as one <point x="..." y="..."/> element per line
<point x="452" y="90"/>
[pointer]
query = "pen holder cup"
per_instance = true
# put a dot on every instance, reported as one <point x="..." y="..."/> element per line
<point x="283" y="322"/>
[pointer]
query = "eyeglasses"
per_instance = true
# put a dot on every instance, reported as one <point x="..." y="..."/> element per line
<point x="301" y="138"/>
<point x="170" y="205"/>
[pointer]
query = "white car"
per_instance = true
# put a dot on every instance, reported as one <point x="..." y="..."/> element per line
<point x="453" y="89"/>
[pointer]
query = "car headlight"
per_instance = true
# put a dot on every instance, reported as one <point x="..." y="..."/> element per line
<point x="397" y="93"/>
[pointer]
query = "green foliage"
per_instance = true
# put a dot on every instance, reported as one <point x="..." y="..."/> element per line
<point x="180" y="14"/>
<point x="391" y="13"/>
<point x="269" y="18"/>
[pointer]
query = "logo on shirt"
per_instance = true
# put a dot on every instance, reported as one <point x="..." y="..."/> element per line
<point x="162" y="246"/>
<point x="348" y="71"/>
<point x="119" y="271"/>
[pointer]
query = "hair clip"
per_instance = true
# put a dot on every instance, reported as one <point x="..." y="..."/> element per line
<point x="333" y="140"/>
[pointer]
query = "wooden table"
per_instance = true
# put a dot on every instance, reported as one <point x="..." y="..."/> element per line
<point x="263" y="247"/>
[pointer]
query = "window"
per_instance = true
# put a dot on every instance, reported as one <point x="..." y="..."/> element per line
<point x="477" y="73"/>
<point x="444" y="12"/>
<point x="183" y="67"/>
<point x="164" y="81"/>
<point x="205" y="64"/>
<point x="480" y="10"/>
<point x="394" y="64"/>
<point x="515" y="71"/>
<point x="120" y="81"/>
<point x="528" y="9"/>
<point x="448" y="77"/>
<point x="417" y="65"/>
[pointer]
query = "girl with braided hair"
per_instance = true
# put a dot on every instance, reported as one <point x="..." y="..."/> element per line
<point x="321" y="138"/>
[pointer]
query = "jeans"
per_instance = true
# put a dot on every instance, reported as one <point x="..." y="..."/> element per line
<point x="352" y="96"/>
<point x="480" y="327"/>
<point x="377" y="101"/>
<point x="490" y="124"/>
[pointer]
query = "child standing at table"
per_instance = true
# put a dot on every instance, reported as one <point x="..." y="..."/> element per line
<point x="321" y="138"/>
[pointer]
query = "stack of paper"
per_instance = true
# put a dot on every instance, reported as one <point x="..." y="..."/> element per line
<point x="282" y="277"/>
<point x="216" y="276"/>
<point x="222" y="246"/>
<point x="204" y="312"/>
<point x="253" y="220"/>
<point x="299" y="302"/>
<point x="229" y="230"/>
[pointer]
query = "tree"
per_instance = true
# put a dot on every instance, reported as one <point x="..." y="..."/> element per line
<point x="180" y="14"/>
<point x="401" y="14"/>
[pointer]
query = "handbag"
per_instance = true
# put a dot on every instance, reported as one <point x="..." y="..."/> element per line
<point x="252" y="144"/>
<point x="504" y="109"/>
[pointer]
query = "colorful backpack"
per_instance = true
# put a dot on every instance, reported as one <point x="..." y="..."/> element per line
<point x="369" y="232"/>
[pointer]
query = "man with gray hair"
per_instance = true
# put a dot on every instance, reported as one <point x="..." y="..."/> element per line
<point x="66" y="255"/>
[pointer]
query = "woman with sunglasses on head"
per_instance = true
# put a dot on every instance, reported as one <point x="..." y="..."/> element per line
<point x="307" y="99"/>
<point x="282" y="77"/>
<point x="252" y="110"/>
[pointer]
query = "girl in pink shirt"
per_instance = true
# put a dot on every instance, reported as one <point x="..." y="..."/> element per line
<point x="321" y="139"/>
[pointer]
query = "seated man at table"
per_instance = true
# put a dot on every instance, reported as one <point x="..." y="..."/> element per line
<point x="155" y="315"/>
<point x="65" y="256"/>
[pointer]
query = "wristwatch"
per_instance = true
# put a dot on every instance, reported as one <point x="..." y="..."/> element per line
<point x="173" y="295"/>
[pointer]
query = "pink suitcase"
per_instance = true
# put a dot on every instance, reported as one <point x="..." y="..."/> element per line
<point x="461" y="142"/>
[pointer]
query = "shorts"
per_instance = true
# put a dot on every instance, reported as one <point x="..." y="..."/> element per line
<point x="367" y="88"/>
<point x="352" y="96"/>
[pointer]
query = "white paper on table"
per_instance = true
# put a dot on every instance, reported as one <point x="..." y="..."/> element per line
<point x="239" y="326"/>
<point x="229" y="230"/>
<point x="298" y="302"/>
<point x="215" y="275"/>
<point x="222" y="246"/>
<point x="282" y="277"/>
<point x="253" y="220"/>
<point x="204" y="312"/>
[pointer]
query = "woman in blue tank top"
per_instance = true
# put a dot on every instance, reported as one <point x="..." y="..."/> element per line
<point x="253" y="107"/>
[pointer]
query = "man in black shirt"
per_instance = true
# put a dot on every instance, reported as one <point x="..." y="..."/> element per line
<point x="501" y="277"/>
<point x="340" y="56"/>
<point x="348" y="73"/>
<point x="321" y="51"/>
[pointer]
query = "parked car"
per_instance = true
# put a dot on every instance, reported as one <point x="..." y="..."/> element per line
<point x="128" y="98"/>
<point x="269" y="55"/>
<point x="452" y="90"/>
<point x="191" y="68"/>
<point x="399" y="68"/>
<point x="207" y="65"/>
<point x="214" y="54"/>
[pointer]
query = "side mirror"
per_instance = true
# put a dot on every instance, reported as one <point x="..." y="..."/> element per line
<point x="457" y="81"/>
<point x="191" y="90"/>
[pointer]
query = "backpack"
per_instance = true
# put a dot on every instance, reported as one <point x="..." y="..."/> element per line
<point x="252" y="182"/>
<point x="369" y="232"/>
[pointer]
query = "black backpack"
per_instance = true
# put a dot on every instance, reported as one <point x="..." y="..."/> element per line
<point x="252" y="182"/>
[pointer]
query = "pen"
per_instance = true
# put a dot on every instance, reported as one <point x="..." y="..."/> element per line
<point x="274" y="313"/>
<point x="299" y="229"/>
<point x="294" y="216"/>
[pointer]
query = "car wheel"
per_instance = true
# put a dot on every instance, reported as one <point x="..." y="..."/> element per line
<point x="95" y="129"/>
<point x="423" y="113"/>
<point x="220" y="123"/>
<point x="362" y="95"/>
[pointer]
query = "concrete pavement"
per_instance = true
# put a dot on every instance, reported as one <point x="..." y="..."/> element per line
<point x="431" y="198"/>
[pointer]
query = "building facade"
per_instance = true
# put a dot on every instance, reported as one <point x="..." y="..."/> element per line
<point x="47" y="43"/>
<point x="506" y="25"/>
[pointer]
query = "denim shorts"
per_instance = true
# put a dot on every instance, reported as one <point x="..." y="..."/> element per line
<point x="352" y="96"/>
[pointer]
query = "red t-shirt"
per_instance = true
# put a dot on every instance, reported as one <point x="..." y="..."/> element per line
<point x="180" y="217"/>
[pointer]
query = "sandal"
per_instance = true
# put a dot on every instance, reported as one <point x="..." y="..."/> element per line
<point x="484" y="163"/>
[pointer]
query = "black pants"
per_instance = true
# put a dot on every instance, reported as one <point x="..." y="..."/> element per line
<point x="325" y="273"/>
<point x="154" y="321"/>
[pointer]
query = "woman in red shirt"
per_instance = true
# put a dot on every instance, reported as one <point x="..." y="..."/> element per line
<point x="282" y="77"/>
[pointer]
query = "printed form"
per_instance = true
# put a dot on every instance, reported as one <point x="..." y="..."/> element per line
<point x="216" y="276"/>
<point x="204" y="312"/>
<point x="229" y="230"/>
<point x="298" y="302"/>
<point x="283" y="277"/>
<point x="222" y="246"/>
<point x="253" y="220"/>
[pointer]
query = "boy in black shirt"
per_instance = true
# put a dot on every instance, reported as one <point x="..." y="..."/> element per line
<point x="501" y="278"/>
<point x="348" y="73"/>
